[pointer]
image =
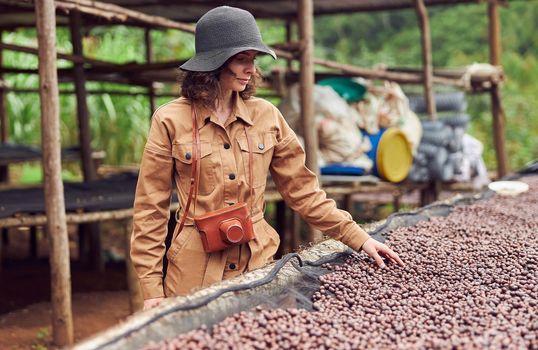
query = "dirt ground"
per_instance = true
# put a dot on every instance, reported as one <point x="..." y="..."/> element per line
<point x="99" y="299"/>
<point x="29" y="327"/>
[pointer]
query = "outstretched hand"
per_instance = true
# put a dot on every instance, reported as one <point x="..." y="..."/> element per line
<point x="377" y="249"/>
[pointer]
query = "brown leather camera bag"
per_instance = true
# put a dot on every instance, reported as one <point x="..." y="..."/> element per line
<point x="224" y="227"/>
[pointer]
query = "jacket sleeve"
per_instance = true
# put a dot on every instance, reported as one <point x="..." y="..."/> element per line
<point x="300" y="189"/>
<point x="152" y="210"/>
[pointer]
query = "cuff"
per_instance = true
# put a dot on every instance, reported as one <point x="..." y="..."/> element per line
<point x="152" y="287"/>
<point x="355" y="237"/>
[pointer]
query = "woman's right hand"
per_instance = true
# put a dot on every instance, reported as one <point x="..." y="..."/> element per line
<point x="151" y="303"/>
<point x="377" y="249"/>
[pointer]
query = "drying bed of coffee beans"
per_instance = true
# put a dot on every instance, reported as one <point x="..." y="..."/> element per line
<point x="470" y="282"/>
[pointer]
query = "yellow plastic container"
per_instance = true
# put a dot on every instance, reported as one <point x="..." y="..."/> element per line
<point x="392" y="155"/>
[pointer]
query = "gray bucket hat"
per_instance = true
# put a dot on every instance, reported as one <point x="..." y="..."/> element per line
<point x="221" y="33"/>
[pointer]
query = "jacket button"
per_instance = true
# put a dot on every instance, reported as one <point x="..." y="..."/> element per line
<point x="261" y="146"/>
<point x="188" y="155"/>
<point x="231" y="176"/>
<point x="232" y="266"/>
<point x="226" y="146"/>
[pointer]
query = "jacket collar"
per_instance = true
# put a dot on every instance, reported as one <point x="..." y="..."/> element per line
<point x="239" y="110"/>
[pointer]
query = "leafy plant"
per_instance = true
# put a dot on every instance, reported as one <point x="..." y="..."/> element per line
<point x="40" y="341"/>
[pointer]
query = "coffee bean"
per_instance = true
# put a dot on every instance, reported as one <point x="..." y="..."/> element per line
<point x="470" y="282"/>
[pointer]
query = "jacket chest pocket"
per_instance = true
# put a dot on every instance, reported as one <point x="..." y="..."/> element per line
<point x="183" y="156"/>
<point x="262" y="152"/>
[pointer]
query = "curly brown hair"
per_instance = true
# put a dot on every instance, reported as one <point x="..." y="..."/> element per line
<point x="202" y="88"/>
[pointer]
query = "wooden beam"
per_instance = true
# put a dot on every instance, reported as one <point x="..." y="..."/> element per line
<point x="33" y="252"/>
<point x="431" y="193"/>
<point x="271" y="195"/>
<point x="496" y="104"/>
<point x="424" y="23"/>
<point x="64" y="56"/>
<point x="97" y="66"/>
<point x="84" y="135"/>
<point x="149" y="55"/>
<point x="115" y="12"/>
<point x="106" y="67"/>
<point x="382" y="74"/>
<point x="4" y="233"/>
<point x="109" y="92"/>
<point x="71" y="218"/>
<point x="280" y="227"/>
<point x="494" y="34"/>
<point x="498" y="131"/>
<point x="123" y="93"/>
<point x="305" y="21"/>
<point x="4" y="123"/>
<point x="62" y="318"/>
<point x="283" y="9"/>
<point x="289" y="39"/>
<point x="90" y="230"/>
<point x="456" y="73"/>
<point x="407" y="77"/>
<point x="3" y="113"/>
<point x="306" y="33"/>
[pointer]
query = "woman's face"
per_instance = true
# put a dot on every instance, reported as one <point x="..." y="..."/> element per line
<point x="240" y="69"/>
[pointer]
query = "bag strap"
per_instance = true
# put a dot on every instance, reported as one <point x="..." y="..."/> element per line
<point x="195" y="169"/>
<point x="250" y="165"/>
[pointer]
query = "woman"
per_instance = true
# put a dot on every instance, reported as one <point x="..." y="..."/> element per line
<point x="217" y="88"/>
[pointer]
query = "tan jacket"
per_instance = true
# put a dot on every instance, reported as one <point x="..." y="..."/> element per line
<point x="223" y="181"/>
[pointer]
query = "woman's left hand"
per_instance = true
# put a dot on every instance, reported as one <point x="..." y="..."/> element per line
<point x="377" y="249"/>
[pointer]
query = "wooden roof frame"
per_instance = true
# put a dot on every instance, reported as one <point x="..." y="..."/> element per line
<point x="82" y="12"/>
<point x="137" y="12"/>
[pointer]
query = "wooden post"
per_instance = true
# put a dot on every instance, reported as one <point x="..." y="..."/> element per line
<point x="306" y="14"/>
<point x="281" y="228"/>
<point x="33" y="242"/>
<point x="289" y="38"/>
<point x="4" y="126"/>
<point x="149" y="55"/>
<point x="1" y="247"/>
<point x="295" y="231"/>
<point x="306" y="32"/>
<point x="396" y="200"/>
<point x="347" y="202"/>
<point x="136" y="301"/>
<point x="90" y="230"/>
<point x="62" y="320"/>
<point x="496" y="106"/>
<point x="422" y="15"/>
<point x="80" y="91"/>
<point x="494" y="34"/>
<point x="431" y="192"/>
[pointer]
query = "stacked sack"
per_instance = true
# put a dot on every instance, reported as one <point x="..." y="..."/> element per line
<point x="440" y="152"/>
<point x="337" y="125"/>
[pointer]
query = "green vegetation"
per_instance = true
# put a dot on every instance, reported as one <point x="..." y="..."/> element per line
<point x="119" y="124"/>
<point x="41" y="339"/>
